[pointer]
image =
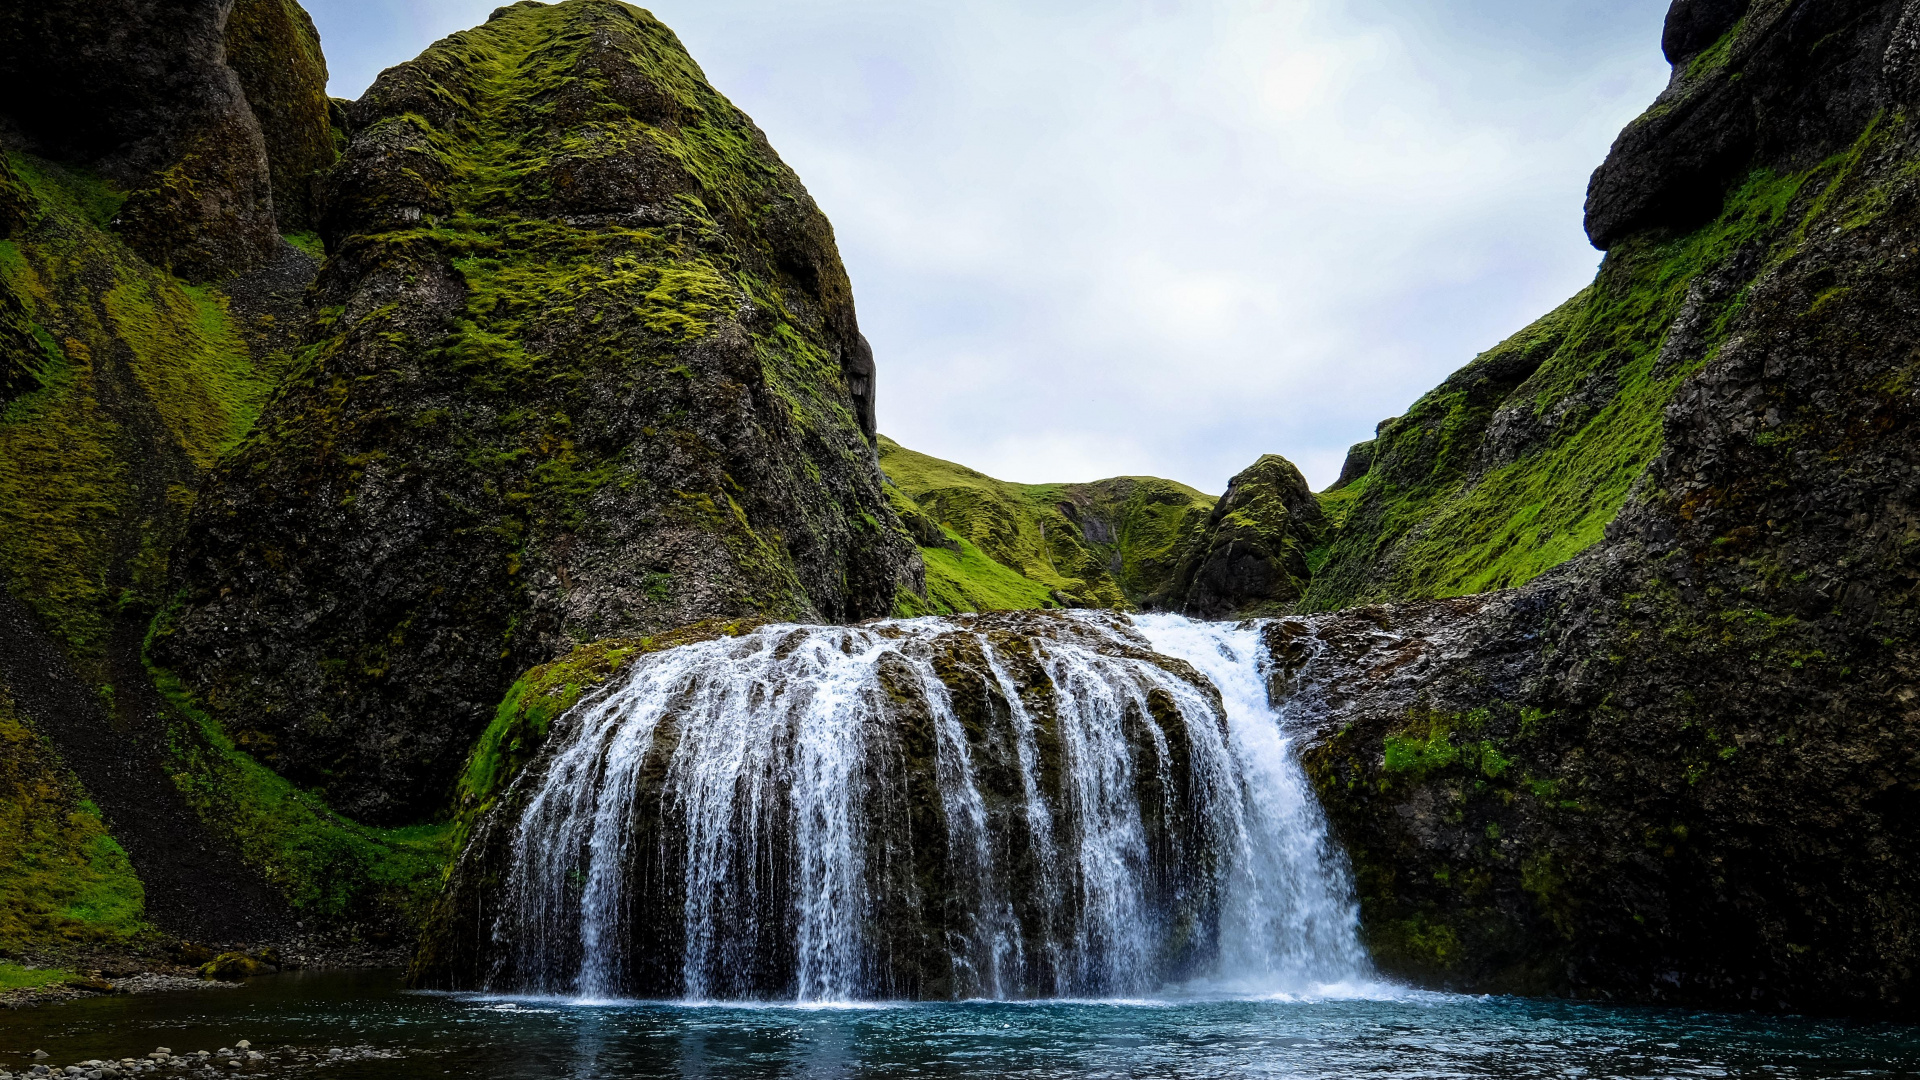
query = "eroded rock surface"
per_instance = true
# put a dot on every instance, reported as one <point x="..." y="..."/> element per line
<point x="586" y="365"/>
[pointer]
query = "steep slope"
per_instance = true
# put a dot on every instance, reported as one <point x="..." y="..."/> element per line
<point x="120" y="386"/>
<point x="135" y="383"/>
<point x="991" y="545"/>
<point x="586" y="366"/>
<point x="1680" y="766"/>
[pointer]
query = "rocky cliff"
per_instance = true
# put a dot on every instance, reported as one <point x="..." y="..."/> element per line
<point x="583" y="341"/>
<point x="1679" y="767"/>
<point x="585" y="364"/>
<point x="129" y="174"/>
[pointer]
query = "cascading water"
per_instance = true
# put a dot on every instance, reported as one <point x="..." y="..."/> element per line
<point x="985" y="806"/>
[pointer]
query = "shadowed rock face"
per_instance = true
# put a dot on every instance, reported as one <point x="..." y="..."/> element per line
<point x="210" y="114"/>
<point x="274" y="49"/>
<point x="1681" y="767"/>
<point x="1693" y="25"/>
<point x="586" y="365"/>
<point x="139" y="90"/>
<point x="1767" y="84"/>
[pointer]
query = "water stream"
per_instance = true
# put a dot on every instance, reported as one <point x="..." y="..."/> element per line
<point x="962" y="809"/>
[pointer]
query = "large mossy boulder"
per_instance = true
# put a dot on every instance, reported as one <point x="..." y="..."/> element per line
<point x="586" y="366"/>
<point x="1250" y="559"/>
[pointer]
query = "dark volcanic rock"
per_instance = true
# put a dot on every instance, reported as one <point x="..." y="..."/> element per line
<point x="1251" y="557"/>
<point x="1692" y="25"/>
<point x="1681" y="767"/>
<point x="587" y="365"/>
<point x="275" y="50"/>
<point x="1772" y="84"/>
<point x="139" y="90"/>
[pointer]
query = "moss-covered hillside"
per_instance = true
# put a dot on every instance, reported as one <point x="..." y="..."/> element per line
<point x="122" y="382"/>
<point x="990" y="545"/>
<point x="1680" y="766"/>
<point x="64" y="880"/>
<point x="1518" y="462"/>
<point x="586" y="365"/>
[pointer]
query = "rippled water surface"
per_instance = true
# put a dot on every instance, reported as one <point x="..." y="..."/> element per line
<point x="1412" y="1035"/>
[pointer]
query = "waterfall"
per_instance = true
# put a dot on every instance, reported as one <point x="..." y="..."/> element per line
<point x="1001" y="806"/>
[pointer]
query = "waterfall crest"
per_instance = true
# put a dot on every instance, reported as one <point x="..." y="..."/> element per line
<point x="999" y="806"/>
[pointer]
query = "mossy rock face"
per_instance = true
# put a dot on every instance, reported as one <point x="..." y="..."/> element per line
<point x="586" y="366"/>
<point x="1520" y="461"/>
<point x="274" y="49"/>
<point x="1678" y="767"/>
<point x="990" y="545"/>
<point x="139" y="91"/>
<point x="1250" y="559"/>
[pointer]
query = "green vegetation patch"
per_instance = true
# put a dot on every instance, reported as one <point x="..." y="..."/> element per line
<point x="1108" y="544"/>
<point x="127" y="355"/>
<point x="967" y="580"/>
<point x="63" y="878"/>
<point x="1455" y="504"/>
<point x="327" y="866"/>
<point x="15" y="977"/>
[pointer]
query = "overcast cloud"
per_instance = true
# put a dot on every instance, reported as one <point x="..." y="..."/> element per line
<point x="1101" y="237"/>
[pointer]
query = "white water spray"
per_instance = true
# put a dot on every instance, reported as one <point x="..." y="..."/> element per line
<point x="1020" y="806"/>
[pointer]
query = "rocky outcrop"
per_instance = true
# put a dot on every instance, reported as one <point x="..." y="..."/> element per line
<point x="1680" y="767"/>
<point x="274" y="49"/>
<point x="1250" y="559"/>
<point x="586" y="366"/>
<point x="139" y="90"/>
<point x="1762" y="84"/>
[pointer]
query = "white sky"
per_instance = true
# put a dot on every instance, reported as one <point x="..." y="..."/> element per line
<point x="1092" y="238"/>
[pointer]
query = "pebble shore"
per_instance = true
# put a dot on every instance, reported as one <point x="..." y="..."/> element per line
<point x="241" y="1059"/>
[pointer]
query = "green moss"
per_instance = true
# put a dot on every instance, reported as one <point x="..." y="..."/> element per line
<point x="1009" y="546"/>
<point x="328" y="867"/>
<point x="63" y="878"/>
<point x="1418" y="943"/>
<point x="144" y="383"/>
<point x="1419" y="752"/>
<point x="308" y="242"/>
<point x="15" y="977"/>
<point x="1441" y="514"/>
<point x="967" y="580"/>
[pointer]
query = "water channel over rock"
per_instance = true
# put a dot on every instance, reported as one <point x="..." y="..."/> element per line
<point x="1000" y="807"/>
